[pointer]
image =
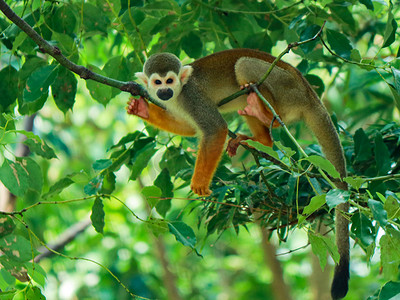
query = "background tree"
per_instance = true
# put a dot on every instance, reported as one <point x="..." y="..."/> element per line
<point x="84" y="149"/>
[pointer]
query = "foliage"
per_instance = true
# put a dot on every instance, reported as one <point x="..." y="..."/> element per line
<point x="81" y="163"/>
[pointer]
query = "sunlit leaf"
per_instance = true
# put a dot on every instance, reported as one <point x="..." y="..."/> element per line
<point x="324" y="164"/>
<point x="16" y="247"/>
<point x="336" y="196"/>
<point x="152" y="195"/>
<point x="14" y="176"/>
<point x="7" y="225"/>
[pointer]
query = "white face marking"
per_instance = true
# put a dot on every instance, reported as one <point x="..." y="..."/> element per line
<point x="164" y="88"/>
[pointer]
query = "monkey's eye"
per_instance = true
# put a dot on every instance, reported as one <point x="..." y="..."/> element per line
<point x="170" y="80"/>
<point x="157" y="82"/>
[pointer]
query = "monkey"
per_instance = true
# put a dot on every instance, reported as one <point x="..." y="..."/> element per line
<point x="187" y="100"/>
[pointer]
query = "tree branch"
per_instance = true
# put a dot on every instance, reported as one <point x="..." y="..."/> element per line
<point x="66" y="237"/>
<point x="131" y="87"/>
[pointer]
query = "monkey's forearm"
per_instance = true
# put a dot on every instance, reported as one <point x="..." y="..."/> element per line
<point x="160" y="118"/>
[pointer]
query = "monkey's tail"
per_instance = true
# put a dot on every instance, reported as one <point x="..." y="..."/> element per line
<point x="319" y="121"/>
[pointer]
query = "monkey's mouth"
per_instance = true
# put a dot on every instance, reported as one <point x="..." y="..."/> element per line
<point x="165" y="94"/>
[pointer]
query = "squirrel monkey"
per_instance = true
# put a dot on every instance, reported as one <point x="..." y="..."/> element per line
<point x="190" y="95"/>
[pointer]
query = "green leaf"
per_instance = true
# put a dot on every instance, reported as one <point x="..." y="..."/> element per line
<point x="14" y="176"/>
<point x="391" y="27"/>
<point x="152" y="195"/>
<point x="341" y="13"/>
<point x="368" y="4"/>
<point x="130" y="137"/>
<point x="309" y="33"/>
<point x="38" y="83"/>
<point x="355" y="55"/>
<point x="141" y="160"/>
<point x="94" y="21"/>
<point x="192" y="45"/>
<point x="316" y="203"/>
<point x="163" y="181"/>
<point x="174" y="160"/>
<point x="390" y="291"/>
<point x="108" y="185"/>
<point x="34" y="293"/>
<point x="58" y="187"/>
<point x="382" y="155"/>
<point x="336" y="196"/>
<point x="157" y="226"/>
<point x="339" y="43"/>
<point x="362" y="146"/>
<point x="97" y="216"/>
<point x="316" y="83"/>
<point x="64" y="90"/>
<point x="290" y="149"/>
<point x="323" y="164"/>
<point x="100" y="92"/>
<point x="94" y="186"/>
<point x="63" y="19"/>
<point x="183" y="234"/>
<point x="263" y="148"/>
<point x="117" y="68"/>
<point x="396" y="95"/>
<point x="7" y="226"/>
<point x="102" y="164"/>
<point x="392" y="206"/>
<point x="378" y="212"/>
<point x="363" y="229"/>
<point x="163" y="23"/>
<point x="322" y="245"/>
<point x="16" y="248"/>
<point x="34" y="171"/>
<point x="38" y="146"/>
<point x="36" y="273"/>
<point x="8" y="87"/>
<point x="390" y="255"/>
<point x="355" y="182"/>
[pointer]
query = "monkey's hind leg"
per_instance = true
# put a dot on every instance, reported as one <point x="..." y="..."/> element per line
<point x="259" y="119"/>
<point x="209" y="154"/>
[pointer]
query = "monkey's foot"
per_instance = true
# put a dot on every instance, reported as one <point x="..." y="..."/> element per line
<point x="233" y="144"/>
<point x="138" y="107"/>
<point x="255" y="108"/>
<point x="200" y="190"/>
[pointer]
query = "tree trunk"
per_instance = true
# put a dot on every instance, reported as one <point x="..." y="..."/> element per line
<point x="280" y="289"/>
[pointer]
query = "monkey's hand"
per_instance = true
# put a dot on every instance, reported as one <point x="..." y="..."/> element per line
<point x="138" y="107"/>
<point x="233" y="144"/>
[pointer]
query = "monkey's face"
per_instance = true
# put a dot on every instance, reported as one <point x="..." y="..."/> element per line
<point x="164" y="88"/>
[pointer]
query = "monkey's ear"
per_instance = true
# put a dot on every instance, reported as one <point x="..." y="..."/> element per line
<point x="142" y="78"/>
<point x="186" y="71"/>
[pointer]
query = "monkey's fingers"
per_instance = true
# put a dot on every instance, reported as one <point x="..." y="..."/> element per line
<point x="233" y="144"/>
<point x="138" y="107"/>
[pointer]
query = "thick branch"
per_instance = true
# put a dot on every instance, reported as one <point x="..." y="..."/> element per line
<point x="132" y="87"/>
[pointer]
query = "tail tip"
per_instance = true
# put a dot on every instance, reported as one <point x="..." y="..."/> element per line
<point x="340" y="284"/>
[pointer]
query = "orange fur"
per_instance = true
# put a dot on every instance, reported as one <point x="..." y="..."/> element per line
<point x="209" y="154"/>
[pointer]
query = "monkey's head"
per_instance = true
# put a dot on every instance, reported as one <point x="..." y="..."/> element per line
<point x="164" y="76"/>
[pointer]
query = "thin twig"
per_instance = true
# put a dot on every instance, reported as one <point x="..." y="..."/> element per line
<point x="126" y="86"/>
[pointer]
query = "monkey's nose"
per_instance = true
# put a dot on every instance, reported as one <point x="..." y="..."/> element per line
<point x="165" y="94"/>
